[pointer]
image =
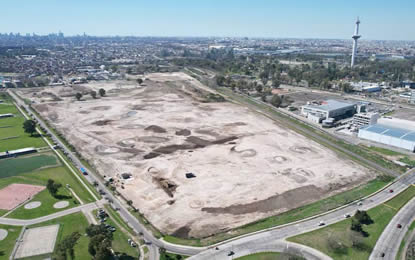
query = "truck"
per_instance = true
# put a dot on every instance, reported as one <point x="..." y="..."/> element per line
<point x="83" y="171"/>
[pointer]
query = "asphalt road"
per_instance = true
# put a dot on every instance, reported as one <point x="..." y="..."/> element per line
<point x="392" y="236"/>
<point x="27" y="222"/>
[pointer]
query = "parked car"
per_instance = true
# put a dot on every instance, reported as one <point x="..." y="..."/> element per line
<point x="321" y="223"/>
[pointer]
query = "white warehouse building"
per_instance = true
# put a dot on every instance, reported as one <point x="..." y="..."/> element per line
<point x="328" y="109"/>
<point x="386" y="134"/>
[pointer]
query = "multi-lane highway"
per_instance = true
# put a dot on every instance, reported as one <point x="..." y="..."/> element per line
<point x="388" y="244"/>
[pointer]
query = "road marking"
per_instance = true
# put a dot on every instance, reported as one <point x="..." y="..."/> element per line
<point x="390" y="207"/>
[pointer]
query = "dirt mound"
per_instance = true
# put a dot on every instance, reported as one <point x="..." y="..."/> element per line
<point x="155" y="129"/>
<point x="168" y="186"/>
<point x="287" y="200"/>
<point x="244" y="153"/>
<point x="101" y="108"/>
<point x="182" y="232"/>
<point x="183" y="132"/>
<point x="172" y="148"/>
<point x="153" y="139"/>
<point x="224" y="140"/>
<point x="151" y="155"/>
<point x="300" y="149"/>
<point x="198" y="141"/>
<point x="102" y="149"/>
<point x="102" y="122"/>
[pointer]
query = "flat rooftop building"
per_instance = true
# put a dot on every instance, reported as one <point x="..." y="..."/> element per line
<point x="393" y="136"/>
<point x="329" y="109"/>
<point x="364" y="119"/>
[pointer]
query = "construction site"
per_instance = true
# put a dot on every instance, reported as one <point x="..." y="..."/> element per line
<point x="191" y="162"/>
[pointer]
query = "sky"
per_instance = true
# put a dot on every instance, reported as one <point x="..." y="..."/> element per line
<point x="333" y="19"/>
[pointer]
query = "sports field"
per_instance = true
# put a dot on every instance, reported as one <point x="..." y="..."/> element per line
<point x="67" y="225"/>
<point x="59" y="174"/>
<point x="12" y="135"/>
<point x="6" y="245"/>
<point x="20" y="165"/>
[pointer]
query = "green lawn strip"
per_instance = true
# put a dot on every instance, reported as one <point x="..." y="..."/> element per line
<point x="170" y="256"/>
<point x="68" y="224"/>
<point x="289" y="216"/>
<point x="7" y="245"/>
<point x="384" y="151"/>
<point x="405" y="240"/>
<point x="15" y="129"/>
<point x="408" y="161"/>
<point x="268" y="256"/>
<point x="59" y="174"/>
<point x="77" y="171"/>
<point x="47" y="205"/>
<point x="145" y="249"/>
<point x="120" y="243"/>
<point x="340" y="232"/>
<point x="20" y="165"/>
<point x="146" y="223"/>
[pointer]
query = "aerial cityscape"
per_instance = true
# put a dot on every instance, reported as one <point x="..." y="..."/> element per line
<point x="161" y="131"/>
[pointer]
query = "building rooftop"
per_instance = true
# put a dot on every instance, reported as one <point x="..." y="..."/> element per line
<point x="405" y="134"/>
<point x="331" y="104"/>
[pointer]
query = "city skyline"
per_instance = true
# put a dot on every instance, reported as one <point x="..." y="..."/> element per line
<point x="263" y="19"/>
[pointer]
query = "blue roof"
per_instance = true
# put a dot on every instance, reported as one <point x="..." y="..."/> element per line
<point x="405" y="134"/>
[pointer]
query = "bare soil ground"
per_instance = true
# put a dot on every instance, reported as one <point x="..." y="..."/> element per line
<point x="15" y="194"/>
<point x="247" y="167"/>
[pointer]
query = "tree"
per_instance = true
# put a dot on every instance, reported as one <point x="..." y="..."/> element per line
<point x="139" y="81"/>
<point x="93" y="94"/>
<point x="220" y="80"/>
<point x="357" y="239"/>
<point x="100" y="242"/>
<point x="29" y="127"/>
<point x="53" y="187"/>
<point x="78" y="96"/>
<point x="363" y="217"/>
<point x="346" y="87"/>
<point x="276" y="100"/>
<point x="130" y="202"/>
<point x="102" y="92"/>
<point x="336" y="245"/>
<point x="259" y="88"/>
<point x="356" y="226"/>
<point x="67" y="246"/>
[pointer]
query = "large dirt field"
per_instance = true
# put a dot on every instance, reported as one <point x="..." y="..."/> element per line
<point x="245" y="166"/>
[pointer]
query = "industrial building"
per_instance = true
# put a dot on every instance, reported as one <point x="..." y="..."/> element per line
<point x="14" y="153"/>
<point x="366" y="87"/>
<point x="364" y="119"/>
<point x="5" y="115"/>
<point x="390" y="131"/>
<point x="319" y="111"/>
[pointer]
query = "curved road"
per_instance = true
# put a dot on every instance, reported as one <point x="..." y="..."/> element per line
<point x="392" y="236"/>
<point x="27" y="222"/>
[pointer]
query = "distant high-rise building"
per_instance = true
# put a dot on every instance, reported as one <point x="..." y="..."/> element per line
<point x="355" y="37"/>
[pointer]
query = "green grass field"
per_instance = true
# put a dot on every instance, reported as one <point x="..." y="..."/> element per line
<point x="384" y="151"/>
<point x="289" y="216"/>
<point x="47" y="205"/>
<point x="68" y="225"/>
<point x="340" y="232"/>
<point x="6" y="245"/>
<point x="170" y="256"/>
<point x="59" y="174"/>
<point x="269" y="256"/>
<point x="20" y="165"/>
<point x="13" y="128"/>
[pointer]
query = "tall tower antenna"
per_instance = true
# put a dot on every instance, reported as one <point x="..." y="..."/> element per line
<point x="355" y="37"/>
